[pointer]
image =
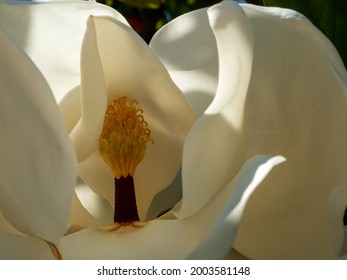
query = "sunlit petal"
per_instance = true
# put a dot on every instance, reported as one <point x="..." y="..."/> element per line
<point x="37" y="165"/>
<point x="93" y="96"/>
<point x="173" y="239"/>
<point x="51" y="34"/>
<point x="214" y="149"/>
<point x="218" y="243"/>
<point x="187" y="47"/>
<point x="297" y="107"/>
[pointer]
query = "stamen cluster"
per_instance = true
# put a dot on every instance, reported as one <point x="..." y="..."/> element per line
<point x="124" y="136"/>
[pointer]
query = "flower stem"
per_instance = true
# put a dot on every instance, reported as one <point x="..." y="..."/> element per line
<point x="125" y="208"/>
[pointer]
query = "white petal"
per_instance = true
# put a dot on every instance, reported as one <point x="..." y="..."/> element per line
<point x="234" y="38"/>
<point x="171" y="239"/>
<point x="186" y="46"/>
<point x="5" y="226"/>
<point x="51" y="34"/>
<point x="85" y="134"/>
<point x="214" y="149"/>
<point x="96" y="205"/>
<point x="80" y="218"/>
<point x="296" y="106"/>
<point x="132" y="70"/>
<point x="15" y="247"/>
<point x="37" y="165"/>
<point x="218" y="243"/>
<point x="166" y="199"/>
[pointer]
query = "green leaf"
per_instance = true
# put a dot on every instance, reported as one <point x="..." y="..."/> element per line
<point x="328" y="15"/>
<point x="150" y="4"/>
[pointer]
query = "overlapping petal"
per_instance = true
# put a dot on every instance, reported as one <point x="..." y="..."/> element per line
<point x="168" y="237"/>
<point x="218" y="243"/>
<point x="187" y="50"/>
<point x="172" y="238"/>
<point x="264" y="80"/>
<point x="51" y="34"/>
<point x="218" y="138"/>
<point x="38" y="168"/>
<point x="17" y="247"/>
<point x="295" y="106"/>
<point x="130" y="68"/>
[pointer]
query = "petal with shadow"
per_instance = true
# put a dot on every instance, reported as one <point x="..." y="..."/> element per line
<point x="38" y="166"/>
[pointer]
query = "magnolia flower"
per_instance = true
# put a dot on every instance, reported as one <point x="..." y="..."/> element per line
<point x="236" y="76"/>
<point x="38" y="167"/>
<point x="294" y="104"/>
<point x="167" y="236"/>
<point x="119" y="69"/>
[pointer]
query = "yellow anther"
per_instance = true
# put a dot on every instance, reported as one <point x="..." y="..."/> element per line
<point x="124" y="136"/>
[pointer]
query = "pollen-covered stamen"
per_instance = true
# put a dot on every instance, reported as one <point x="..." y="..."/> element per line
<point x="122" y="144"/>
<point x="124" y="137"/>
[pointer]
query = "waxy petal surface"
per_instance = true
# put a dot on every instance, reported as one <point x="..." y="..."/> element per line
<point x="187" y="51"/>
<point x="295" y="106"/>
<point x="213" y="152"/>
<point x="173" y="238"/>
<point x="16" y="247"/>
<point x="38" y="167"/>
<point x="51" y="34"/>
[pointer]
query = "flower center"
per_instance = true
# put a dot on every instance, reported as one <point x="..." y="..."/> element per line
<point x="124" y="136"/>
<point x="122" y="145"/>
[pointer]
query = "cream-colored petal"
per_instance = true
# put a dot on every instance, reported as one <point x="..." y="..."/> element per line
<point x="198" y="85"/>
<point x="172" y="239"/>
<point x="99" y="211"/>
<point x="132" y="70"/>
<point x="80" y="218"/>
<point x="214" y="149"/>
<point x="51" y="34"/>
<point x="186" y="46"/>
<point x="296" y="106"/>
<point x="166" y="199"/>
<point x="38" y="167"/>
<point x="97" y="206"/>
<point x="5" y="226"/>
<point x="218" y="243"/>
<point x="16" y="247"/>
<point x="85" y="134"/>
